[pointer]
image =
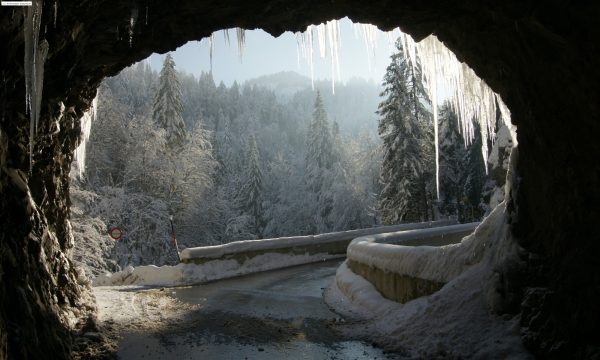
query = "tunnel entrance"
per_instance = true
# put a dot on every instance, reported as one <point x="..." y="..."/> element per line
<point x="542" y="60"/>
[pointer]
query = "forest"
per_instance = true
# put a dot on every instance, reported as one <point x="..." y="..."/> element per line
<point x="268" y="158"/>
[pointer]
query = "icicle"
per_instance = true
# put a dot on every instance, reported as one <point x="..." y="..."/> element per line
<point x="327" y="35"/>
<point x="39" y="81"/>
<point x="332" y="52"/>
<point x="211" y="45"/>
<point x="132" y="22"/>
<point x="146" y="22"/>
<point x="241" y="41"/>
<point x="226" y="36"/>
<point x="32" y="64"/>
<point x="55" y="13"/>
<point x="86" y="127"/>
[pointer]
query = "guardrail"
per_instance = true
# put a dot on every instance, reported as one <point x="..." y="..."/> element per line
<point x="407" y="264"/>
<point x="330" y="245"/>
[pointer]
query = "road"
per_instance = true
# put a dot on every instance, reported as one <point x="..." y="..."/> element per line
<point x="273" y="315"/>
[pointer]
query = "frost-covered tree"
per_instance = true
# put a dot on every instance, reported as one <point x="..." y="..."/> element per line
<point x="452" y="171"/>
<point x="319" y="163"/>
<point x="251" y="191"/>
<point x="403" y="126"/>
<point x="168" y="108"/>
<point x="462" y="172"/>
<point x="474" y="181"/>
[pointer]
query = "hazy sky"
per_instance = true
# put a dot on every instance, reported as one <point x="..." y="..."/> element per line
<point x="265" y="54"/>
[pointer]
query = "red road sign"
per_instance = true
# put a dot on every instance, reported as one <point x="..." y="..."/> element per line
<point x="116" y="233"/>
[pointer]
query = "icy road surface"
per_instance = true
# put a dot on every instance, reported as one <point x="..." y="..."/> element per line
<point x="272" y="315"/>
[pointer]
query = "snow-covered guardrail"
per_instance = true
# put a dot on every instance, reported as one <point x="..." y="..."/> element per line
<point x="329" y="244"/>
<point x="237" y="258"/>
<point x="408" y="264"/>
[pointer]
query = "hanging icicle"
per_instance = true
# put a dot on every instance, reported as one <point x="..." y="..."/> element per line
<point x="132" y="22"/>
<point x="241" y="41"/>
<point x="469" y="96"/>
<point x="34" y="58"/>
<point x="55" y="13"/>
<point x="328" y="36"/>
<point x="211" y="45"/>
<point x="86" y="127"/>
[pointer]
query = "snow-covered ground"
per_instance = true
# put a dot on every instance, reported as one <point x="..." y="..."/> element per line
<point x="459" y="320"/>
<point x="187" y="274"/>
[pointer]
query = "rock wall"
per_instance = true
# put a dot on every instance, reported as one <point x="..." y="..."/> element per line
<point x="542" y="57"/>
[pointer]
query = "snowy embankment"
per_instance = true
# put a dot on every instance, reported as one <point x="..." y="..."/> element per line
<point x="460" y="319"/>
<point x="386" y="252"/>
<point x="237" y="258"/>
<point x="300" y="244"/>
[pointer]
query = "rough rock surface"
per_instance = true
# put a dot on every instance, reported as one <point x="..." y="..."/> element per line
<point x="542" y="57"/>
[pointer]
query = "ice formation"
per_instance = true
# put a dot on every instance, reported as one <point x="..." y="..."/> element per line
<point x="241" y="42"/>
<point x="368" y="33"/>
<point x="328" y="36"/>
<point x="34" y="58"/>
<point x="86" y="127"/>
<point x="470" y="96"/>
<point x="132" y="22"/>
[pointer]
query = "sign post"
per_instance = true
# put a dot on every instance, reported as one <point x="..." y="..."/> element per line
<point x="174" y="238"/>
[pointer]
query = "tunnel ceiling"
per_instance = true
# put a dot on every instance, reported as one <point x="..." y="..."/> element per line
<point x="541" y="57"/>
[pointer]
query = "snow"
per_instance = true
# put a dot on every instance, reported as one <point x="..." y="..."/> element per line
<point x="425" y="262"/>
<point x="216" y="269"/>
<point x="217" y="251"/>
<point x="504" y="142"/>
<point x="470" y="96"/>
<point x="459" y="320"/>
<point x="86" y="128"/>
<point x="187" y="274"/>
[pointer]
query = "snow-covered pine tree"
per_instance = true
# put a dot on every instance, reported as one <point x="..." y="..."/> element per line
<point x="168" y="108"/>
<point x="251" y="195"/>
<point x="452" y="155"/>
<point x="404" y="118"/>
<point x="474" y="180"/>
<point x="319" y="162"/>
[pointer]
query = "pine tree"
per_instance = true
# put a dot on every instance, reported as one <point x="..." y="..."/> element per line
<point x="452" y="171"/>
<point x="319" y="163"/>
<point x="403" y="126"/>
<point x="168" y="108"/>
<point x="474" y="180"/>
<point x="462" y="172"/>
<point x="251" y="190"/>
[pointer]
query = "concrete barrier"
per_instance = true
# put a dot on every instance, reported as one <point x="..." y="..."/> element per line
<point x="330" y="244"/>
<point x="399" y="264"/>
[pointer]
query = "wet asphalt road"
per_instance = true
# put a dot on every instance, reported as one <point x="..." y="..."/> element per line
<point x="278" y="314"/>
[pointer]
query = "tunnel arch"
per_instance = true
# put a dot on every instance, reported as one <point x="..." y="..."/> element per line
<point x="541" y="58"/>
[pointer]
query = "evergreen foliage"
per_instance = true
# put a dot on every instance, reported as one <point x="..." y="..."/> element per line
<point x="168" y="107"/>
<point x="462" y="174"/>
<point x="219" y="182"/>
<point x="404" y="127"/>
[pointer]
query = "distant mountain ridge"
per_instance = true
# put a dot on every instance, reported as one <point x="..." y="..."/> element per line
<point x="283" y="83"/>
<point x="353" y="105"/>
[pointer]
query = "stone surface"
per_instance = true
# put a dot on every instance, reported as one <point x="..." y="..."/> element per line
<point x="542" y="57"/>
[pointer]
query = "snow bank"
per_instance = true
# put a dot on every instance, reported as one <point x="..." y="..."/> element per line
<point x="456" y="321"/>
<point x="219" y="251"/>
<point x="188" y="274"/>
<point x="438" y="264"/>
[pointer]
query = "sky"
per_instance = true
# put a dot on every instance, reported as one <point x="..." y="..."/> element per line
<point x="264" y="54"/>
